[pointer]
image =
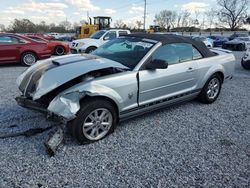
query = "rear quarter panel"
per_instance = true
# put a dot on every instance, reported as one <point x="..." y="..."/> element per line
<point x="223" y="62"/>
<point x="41" y="50"/>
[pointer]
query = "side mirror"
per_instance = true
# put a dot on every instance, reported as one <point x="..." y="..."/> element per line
<point x="106" y="37"/>
<point x="157" y="64"/>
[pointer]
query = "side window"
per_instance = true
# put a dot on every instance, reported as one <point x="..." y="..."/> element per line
<point x="177" y="53"/>
<point x="196" y="54"/>
<point x="5" y="40"/>
<point x="8" y="40"/>
<point x="37" y="39"/>
<point x="166" y="53"/>
<point x="184" y="51"/>
<point x="110" y="35"/>
<point x="122" y="33"/>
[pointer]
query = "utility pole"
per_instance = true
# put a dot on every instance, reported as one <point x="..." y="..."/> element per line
<point x="145" y="12"/>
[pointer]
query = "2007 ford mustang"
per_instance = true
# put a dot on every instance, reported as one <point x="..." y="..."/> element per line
<point x="123" y="78"/>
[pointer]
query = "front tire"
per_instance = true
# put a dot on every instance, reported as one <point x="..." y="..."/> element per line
<point x="245" y="64"/>
<point x="90" y="49"/>
<point x="95" y="120"/>
<point x="28" y="59"/>
<point x="59" y="50"/>
<point x="211" y="90"/>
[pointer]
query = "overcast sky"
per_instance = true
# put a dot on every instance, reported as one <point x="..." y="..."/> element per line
<point x="76" y="10"/>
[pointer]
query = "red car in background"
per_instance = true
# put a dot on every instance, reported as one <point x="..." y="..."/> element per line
<point x="56" y="47"/>
<point x="16" y="48"/>
<point x="44" y="36"/>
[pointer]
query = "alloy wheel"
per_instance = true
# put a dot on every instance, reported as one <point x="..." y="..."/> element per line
<point x="29" y="59"/>
<point x="97" y="124"/>
<point x="213" y="88"/>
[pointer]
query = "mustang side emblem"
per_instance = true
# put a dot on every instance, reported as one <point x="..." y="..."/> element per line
<point x="130" y="95"/>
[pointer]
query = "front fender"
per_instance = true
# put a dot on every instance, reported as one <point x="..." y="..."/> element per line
<point x="67" y="103"/>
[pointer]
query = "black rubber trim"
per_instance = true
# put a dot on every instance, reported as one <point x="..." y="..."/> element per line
<point x="27" y="103"/>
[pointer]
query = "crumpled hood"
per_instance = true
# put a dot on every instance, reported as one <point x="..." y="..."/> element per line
<point x="47" y="75"/>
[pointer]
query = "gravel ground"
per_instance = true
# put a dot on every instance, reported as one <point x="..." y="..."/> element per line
<point x="188" y="145"/>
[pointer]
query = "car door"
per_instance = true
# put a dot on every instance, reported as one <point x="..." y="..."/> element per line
<point x="109" y="36"/>
<point x="181" y="76"/>
<point x="9" y="49"/>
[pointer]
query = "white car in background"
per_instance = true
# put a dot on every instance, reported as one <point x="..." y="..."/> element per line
<point x="208" y="42"/>
<point x="88" y="45"/>
<point x="245" y="62"/>
<point x="55" y="35"/>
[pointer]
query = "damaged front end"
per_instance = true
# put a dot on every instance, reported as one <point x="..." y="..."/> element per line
<point x="42" y="84"/>
<point x="46" y="87"/>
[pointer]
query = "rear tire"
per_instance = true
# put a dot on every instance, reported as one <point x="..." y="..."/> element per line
<point x="90" y="49"/>
<point x="28" y="58"/>
<point x="211" y="90"/>
<point x="95" y="120"/>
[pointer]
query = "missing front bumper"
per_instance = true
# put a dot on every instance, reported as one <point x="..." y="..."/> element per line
<point x="33" y="105"/>
<point x="27" y="103"/>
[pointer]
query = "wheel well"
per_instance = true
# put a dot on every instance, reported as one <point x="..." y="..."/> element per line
<point x="221" y="75"/>
<point x="91" y="47"/>
<point x="87" y="98"/>
<point x="59" y="46"/>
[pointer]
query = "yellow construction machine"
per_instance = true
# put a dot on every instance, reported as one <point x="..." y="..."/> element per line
<point x="153" y="29"/>
<point x="87" y="29"/>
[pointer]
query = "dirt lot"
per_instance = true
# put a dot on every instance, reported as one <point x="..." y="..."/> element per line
<point x="191" y="144"/>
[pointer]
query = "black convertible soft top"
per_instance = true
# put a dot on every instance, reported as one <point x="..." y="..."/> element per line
<point x="170" y="39"/>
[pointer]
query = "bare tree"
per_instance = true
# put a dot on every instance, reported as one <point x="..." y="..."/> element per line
<point x="66" y="25"/>
<point x="179" y="17"/>
<point x="166" y="19"/>
<point x="119" y="24"/>
<point x="185" y="19"/>
<point x="139" y="24"/>
<point x="233" y="12"/>
<point x="2" y="27"/>
<point x="211" y="16"/>
<point x="42" y="27"/>
<point x="22" y="26"/>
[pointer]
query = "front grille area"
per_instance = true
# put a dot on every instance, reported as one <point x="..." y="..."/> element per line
<point x="74" y="44"/>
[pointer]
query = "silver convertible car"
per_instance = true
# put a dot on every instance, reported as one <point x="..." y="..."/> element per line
<point x="125" y="77"/>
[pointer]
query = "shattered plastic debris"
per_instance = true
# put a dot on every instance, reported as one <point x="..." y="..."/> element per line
<point x="53" y="143"/>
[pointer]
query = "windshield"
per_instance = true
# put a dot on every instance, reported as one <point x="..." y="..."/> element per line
<point x="126" y="50"/>
<point x="98" y="34"/>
